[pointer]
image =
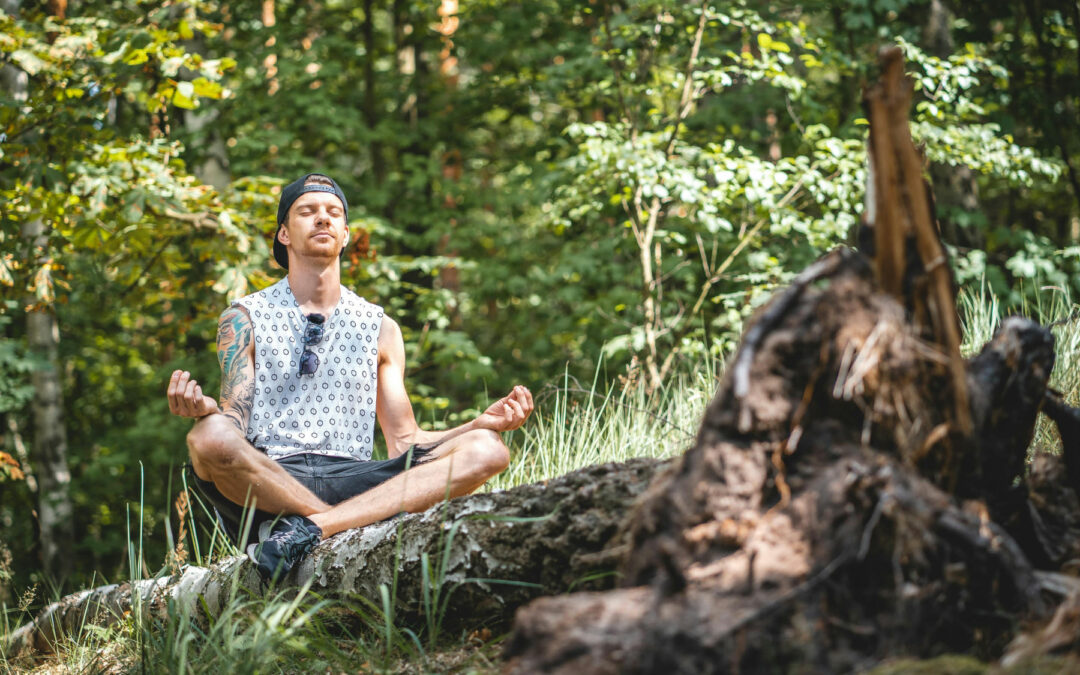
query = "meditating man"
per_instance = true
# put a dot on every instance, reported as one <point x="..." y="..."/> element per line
<point x="307" y="366"/>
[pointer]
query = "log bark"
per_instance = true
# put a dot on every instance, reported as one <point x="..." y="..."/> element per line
<point x="543" y="539"/>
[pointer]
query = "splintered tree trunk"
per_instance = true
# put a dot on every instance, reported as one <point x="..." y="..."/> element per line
<point x="856" y="491"/>
<point x="796" y="533"/>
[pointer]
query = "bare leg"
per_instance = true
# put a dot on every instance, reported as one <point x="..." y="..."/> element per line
<point x="220" y="454"/>
<point x="458" y="466"/>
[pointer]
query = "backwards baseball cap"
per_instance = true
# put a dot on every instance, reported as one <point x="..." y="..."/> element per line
<point x="290" y="194"/>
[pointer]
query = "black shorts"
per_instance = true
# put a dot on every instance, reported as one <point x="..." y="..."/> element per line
<point x="332" y="479"/>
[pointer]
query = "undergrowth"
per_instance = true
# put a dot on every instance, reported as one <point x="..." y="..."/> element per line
<point x="299" y="631"/>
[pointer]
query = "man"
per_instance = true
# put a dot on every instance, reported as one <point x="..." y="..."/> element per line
<point x="307" y="366"/>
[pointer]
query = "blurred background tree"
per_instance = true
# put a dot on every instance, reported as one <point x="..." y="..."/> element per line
<point x="536" y="187"/>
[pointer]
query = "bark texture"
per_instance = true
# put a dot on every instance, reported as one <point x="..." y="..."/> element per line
<point x="545" y="538"/>
<point x="48" y="450"/>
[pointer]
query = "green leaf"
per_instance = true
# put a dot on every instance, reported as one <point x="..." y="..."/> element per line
<point x="207" y="88"/>
<point x="184" y="97"/>
<point x="27" y="61"/>
<point x="136" y="57"/>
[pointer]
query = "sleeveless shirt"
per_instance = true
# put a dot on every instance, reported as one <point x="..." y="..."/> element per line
<point x="331" y="412"/>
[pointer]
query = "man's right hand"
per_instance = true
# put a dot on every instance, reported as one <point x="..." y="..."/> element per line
<point x="186" y="397"/>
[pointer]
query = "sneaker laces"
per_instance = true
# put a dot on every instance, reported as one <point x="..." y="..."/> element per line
<point x="292" y="548"/>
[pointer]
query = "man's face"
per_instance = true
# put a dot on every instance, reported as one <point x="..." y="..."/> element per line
<point x="316" y="226"/>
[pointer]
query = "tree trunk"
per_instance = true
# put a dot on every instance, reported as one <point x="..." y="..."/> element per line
<point x="48" y="452"/>
<point x="542" y="539"/>
<point x="49" y="447"/>
<point x="370" y="104"/>
<point x="956" y="188"/>
<point x="797" y="534"/>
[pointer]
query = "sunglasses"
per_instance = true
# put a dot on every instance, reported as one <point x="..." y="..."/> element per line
<point x="313" y="335"/>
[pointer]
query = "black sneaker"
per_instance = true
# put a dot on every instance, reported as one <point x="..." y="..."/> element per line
<point x="282" y="546"/>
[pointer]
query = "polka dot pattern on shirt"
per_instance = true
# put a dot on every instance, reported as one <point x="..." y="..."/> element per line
<point x="331" y="411"/>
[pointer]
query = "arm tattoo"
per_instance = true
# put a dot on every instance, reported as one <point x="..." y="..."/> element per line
<point x="237" y="370"/>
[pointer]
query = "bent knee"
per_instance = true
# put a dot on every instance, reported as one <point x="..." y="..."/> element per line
<point x="488" y="455"/>
<point x="211" y="444"/>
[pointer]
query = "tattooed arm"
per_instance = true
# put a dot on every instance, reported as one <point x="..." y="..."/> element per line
<point x="236" y="355"/>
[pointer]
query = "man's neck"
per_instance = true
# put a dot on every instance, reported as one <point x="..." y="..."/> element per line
<point x="316" y="289"/>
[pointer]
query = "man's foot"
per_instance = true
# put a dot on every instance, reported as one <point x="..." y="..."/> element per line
<point x="282" y="546"/>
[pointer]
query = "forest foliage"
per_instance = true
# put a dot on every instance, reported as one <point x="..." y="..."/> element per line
<point x="538" y="189"/>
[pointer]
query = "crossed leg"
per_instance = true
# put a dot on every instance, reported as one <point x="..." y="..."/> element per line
<point x="221" y="455"/>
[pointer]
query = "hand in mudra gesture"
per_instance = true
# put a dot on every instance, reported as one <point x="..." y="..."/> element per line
<point x="186" y="397"/>
<point x="509" y="412"/>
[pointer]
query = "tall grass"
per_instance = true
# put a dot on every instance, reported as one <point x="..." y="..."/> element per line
<point x="980" y="315"/>
<point x="578" y="425"/>
<point x="575" y="425"/>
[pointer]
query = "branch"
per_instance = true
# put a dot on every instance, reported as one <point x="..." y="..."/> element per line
<point x="686" y="99"/>
<point x="200" y="219"/>
<point x="719" y="273"/>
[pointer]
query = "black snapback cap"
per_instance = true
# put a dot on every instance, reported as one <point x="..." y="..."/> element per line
<point x="290" y="194"/>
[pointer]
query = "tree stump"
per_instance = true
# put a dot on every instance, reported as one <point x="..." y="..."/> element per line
<point x="857" y="491"/>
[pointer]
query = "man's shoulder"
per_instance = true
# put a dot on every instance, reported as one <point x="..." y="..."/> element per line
<point x="356" y="303"/>
<point x="275" y="294"/>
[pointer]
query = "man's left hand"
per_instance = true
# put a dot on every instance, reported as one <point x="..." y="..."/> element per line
<point x="509" y="412"/>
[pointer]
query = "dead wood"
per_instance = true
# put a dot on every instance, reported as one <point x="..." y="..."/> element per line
<point x="909" y="260"/>
<point x="857" y="491"/>
<point x="543" y="539"/>
<point x="798" y="531"/>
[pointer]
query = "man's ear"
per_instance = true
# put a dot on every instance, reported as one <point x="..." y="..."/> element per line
<point x="283" y="235"/>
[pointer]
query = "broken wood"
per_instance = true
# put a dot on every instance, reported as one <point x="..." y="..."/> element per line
<point x="500" y="550"/>
<point x="857" y="491"/>
<point x="841" y="552"/>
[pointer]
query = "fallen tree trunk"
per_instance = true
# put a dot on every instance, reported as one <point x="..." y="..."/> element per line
<point x="543" y="539"/>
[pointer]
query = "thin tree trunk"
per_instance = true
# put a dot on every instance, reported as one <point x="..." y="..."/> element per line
<point x="371" y="117"/>
<point x="49" y="447"/>
<point x="452" y="161"/>
<point x="954" y="186"/>
<point x="214" y="167"/>
<point x="48" y="452"/>
<point x="270" y="62"/>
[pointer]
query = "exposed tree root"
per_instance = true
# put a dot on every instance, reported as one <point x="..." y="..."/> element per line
<point x="800" y="531"/>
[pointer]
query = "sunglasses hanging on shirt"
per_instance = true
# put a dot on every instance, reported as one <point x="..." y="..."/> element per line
<point x="313" y="335"/>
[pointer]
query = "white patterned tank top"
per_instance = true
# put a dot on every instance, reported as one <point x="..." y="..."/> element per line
<point x="330" y="412"/>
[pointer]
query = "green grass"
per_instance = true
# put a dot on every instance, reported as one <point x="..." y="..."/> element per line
<point x="575" y="425"/>
<point x="980" y="315"/>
